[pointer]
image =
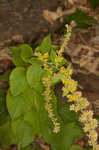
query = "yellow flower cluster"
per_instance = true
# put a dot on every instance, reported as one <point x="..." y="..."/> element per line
<point x="48" y="105"/>
<point x="41" y="57"/>
<point x="90" y="126"/>
<point x="66" y="39"/>
<point x="80" y="104"/>
<point x="64" y="71"/>
<point x="47" y="92"/>
<point x="69" y="85"/>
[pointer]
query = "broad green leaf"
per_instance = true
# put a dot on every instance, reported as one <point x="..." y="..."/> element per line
<point x="82" y="19"/>
<point x="16" y="58"/>
<point x="45" y="45"/>
<point x="67" y="115"/>
<point x="34" y="75"/>
<point x="69" y="133"/>
<point x="32" y="118"/>
<point x="19" y="105"/>
<point x="7" y="137"/>
<point x="23" y="132"/>
<point x="26" y="52"/>
<point x="18" y="81"/>
<point x="72" y="132"/>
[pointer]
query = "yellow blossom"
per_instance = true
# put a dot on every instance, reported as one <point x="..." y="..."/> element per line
<point x="93" y="123"/>
<point x="41" y="57"/>
<point x="86" y="115"/>
<point x="48" y="105"/>
<point x="72" y="107"/>
<point x="92" y="137"/>
<point x="72" y="97"/>
<point x="59" y="59"/>
<point x="63" y="70"/>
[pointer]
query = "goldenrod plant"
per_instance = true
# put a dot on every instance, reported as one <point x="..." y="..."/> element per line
<point x="32" y="107"/>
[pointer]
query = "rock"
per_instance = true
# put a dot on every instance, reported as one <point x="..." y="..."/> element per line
<point x="24" y="19"/>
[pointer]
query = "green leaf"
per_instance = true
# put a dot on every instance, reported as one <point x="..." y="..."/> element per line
<point x="58" y="78"/>
<point x="3" y="110"/>
<point x="33" y="146"/>
<point x="77" y="147"/>
<point x="16" y="58"/>
<point x="55" y="47"/>
<point x="5" y="76"/>
<point x="35" y="62"/>
<point x="23" y="132"/>
<point x="63" y="140"/>
<point x="2" y="100"/>
<point x="53" y="56"/>
<point x="29" y="147"/>
<point x="67" y="115"/>
<point x="82" y="19"/>
<point x="72" y="132"/>
<point x="7" y="137"/>
<point x="26" y="52"/>
<point x="18" y="81"/>
<point x="45" y="45"/>
<point x="94" y="3"/>
<point x="31" y="117"/>
<point x="62" y="62"/>
<point x="34" y="75"/>
<point x="19" y="105"/>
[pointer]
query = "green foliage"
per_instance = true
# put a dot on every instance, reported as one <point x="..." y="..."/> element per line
<point x="93" y="3"/>
<point x="5" y="76"/>
<point x="3" y="110"/>
<point x="82" y="19"/>
<point x="76" y="147"/>
<point x="26" y="52"/>
<point x="45" y="45"/>
<point x="34" y="146"/>
<point x="17" y="81"/>
<point x="23" y="132"/>
<point x="16" y="56"/>
<point x="33" y="75"/>
<point x="25" y="102"/>
<point x="7" y="136"/>
<point x="18" y="105"/>
<point x="66" y="114"/>
<point x="63" y="140"/>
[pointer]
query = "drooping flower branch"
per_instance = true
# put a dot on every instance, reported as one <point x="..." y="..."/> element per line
<point x="79" y="103"/>
<point x="47" y="92"/>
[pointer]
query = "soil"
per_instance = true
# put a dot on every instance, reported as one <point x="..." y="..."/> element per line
<point x="23" y="20"/>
